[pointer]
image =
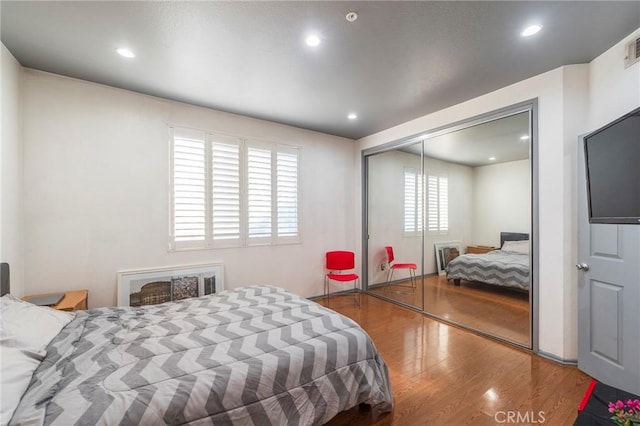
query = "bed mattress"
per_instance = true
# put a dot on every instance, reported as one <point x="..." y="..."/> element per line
<point x="253" y="356"/>
<point x="507" y="269"/>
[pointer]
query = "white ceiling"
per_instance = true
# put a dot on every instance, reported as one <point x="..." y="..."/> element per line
<point x="398" y="61"/>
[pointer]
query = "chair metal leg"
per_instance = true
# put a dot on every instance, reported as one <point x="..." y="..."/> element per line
<point x="412" y="283"/>
<point x="356" y="291"/>
<point x="386" y="284"/>
<point x="326" y="289"/>
<point x="389" y="277"/>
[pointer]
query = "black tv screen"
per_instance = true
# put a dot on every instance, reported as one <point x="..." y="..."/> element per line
<point x="612" y="156"/>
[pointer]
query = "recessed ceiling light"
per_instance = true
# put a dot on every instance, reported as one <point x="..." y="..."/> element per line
<point x="492" y="158"/>
<point x="531" y="30"/>
<point x="313" y="40"/>
<point x="125" y="52"/>
<point x="524" y="137"/>
<point x="352" y="116"/>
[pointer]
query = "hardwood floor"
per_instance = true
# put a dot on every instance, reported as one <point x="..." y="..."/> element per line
<point x="496" y="310"/>
<point x="443" y="375"/>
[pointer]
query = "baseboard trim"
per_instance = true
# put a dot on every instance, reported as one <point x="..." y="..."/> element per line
<point x="394" y="282"/>
<point x="335" y="293"/>
<point x="401" y="280"/>
<point x="555" y="358"/>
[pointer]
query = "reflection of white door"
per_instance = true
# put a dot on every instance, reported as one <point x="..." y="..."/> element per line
<point x="608" y="297"/>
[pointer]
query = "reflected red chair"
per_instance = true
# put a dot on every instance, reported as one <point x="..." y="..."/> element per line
<point x="394" y="266"/>
<point x="337" y="263"/>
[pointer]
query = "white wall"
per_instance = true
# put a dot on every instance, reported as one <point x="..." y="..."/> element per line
<point x="501" y="201"/>
<point x="96" y="171"/>
<point x="614" y="90"/>
<point x="575" y="111"/>
<point x="11" y="214"/>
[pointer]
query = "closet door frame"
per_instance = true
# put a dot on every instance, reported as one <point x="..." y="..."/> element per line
<point x="531" y="106"/>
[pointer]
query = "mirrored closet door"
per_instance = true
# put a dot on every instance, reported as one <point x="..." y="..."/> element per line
<point x="455" y="206"/>
<point x="395" y="202"/>
<point x="477" y="256"/>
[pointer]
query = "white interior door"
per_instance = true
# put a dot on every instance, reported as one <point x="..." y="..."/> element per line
<point x="608" y="297"/>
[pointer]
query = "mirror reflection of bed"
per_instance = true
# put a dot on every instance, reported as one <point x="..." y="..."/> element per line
<point x="488" y="291"/>
<point x="505" y="267"/>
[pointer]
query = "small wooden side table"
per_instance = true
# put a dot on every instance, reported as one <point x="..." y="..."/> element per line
<point x="72" y="301"/>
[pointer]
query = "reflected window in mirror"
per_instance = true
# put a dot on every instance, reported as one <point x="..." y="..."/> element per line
<point x="413" y="202"/>
<point x="438" y="200"/>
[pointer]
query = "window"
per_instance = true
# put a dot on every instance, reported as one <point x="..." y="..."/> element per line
<point x="231" y="192"/>
<point x="438" y="204"/>
<point x="413" y="202"/>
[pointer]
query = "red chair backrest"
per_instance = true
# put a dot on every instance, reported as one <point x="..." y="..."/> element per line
<point x="389" y="250"/>
<point x="340" y="260"/>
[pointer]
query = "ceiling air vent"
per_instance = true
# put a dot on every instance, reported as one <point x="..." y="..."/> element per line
<point x="633" y="52"/>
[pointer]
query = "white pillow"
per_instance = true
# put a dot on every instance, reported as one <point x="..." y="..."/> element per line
<point x="25" y="325"/>
<point x="516" y="246"/>
<point x="17" y="367"/>
<point x="25" y="332"/>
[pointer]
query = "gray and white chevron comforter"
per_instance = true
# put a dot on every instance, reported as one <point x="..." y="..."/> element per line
<point x="253" y="356"/>
<point x="503" y="268"/>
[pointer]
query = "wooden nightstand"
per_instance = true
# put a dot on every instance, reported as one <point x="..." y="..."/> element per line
<point x="480" y="249"/>
<point x="72" y="301"/>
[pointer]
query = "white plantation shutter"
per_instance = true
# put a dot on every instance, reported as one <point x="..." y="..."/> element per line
<point x="409" y="202"/>
<point x="413" y="202"/>
<point x="443" y="205"/>
<point x="259" y="193"/>
<point x="189" y="186"/>
<point x="229" y="192"/>
<point x="225" y="166"/>
<point x="438" y="204"/>
<point x="419" y="202"/>
<point x="432" y="219"/>
<point x="287" y="192"/>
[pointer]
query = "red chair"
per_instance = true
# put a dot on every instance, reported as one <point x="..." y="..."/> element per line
<point x="393" y="266"/>
<point x="337" y="262"/>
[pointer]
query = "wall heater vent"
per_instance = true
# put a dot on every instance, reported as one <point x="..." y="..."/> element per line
<point x="632" y="52"/>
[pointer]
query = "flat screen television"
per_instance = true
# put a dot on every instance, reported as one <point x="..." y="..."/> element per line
<point x="612" y="156"/>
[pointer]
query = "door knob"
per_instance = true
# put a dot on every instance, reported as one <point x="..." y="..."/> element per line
<point x="582" y="266"/>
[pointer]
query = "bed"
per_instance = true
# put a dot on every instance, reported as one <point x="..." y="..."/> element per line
<point x="255" y="355"/>
<point x="506" y="267"/>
